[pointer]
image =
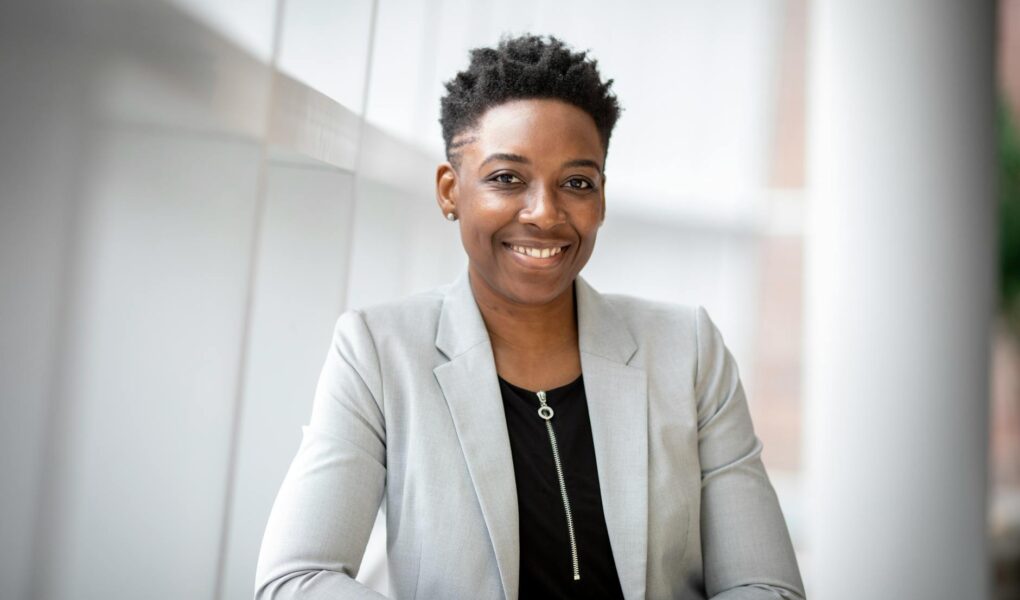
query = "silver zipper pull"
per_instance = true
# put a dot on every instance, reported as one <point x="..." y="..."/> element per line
<point x="545" y="411"/>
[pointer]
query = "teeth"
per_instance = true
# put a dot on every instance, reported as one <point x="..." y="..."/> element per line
<point x="535" y="252"/>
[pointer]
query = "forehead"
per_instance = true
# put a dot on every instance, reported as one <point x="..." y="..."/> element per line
<point x="536" y="128"/>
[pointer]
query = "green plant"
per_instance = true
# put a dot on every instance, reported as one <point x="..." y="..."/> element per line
<point x="1009" y="218"/>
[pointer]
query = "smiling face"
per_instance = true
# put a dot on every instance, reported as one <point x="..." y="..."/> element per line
<point x="529" y="195"/>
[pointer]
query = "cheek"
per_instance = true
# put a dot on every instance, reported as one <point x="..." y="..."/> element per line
<point x="588" y="224"/>
<point x="587" y="246"/>
<point x="484" y="217"/>
<point x="477" y="237"/>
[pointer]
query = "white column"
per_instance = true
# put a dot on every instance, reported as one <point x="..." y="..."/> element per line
<point x="900" y="290"/>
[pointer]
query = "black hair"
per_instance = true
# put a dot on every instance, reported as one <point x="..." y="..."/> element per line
<point x="526" y="67"/>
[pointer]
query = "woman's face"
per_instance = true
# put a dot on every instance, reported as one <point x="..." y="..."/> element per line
<point x="529" y="195"/>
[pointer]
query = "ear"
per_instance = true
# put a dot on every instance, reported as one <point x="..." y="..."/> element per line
<point x="446" y="188"/>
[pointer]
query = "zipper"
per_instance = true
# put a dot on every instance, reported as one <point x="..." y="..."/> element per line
<point x="546" y="413"/>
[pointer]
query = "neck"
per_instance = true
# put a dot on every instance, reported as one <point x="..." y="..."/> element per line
<point x="533" y="328"/>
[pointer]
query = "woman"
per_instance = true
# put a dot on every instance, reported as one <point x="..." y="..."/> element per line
<point x="529" y="436"/>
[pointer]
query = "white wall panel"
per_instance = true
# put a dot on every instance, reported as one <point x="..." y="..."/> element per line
<point x="151" y="364"/>
<point x="324" y="44"/>
<point x="247" y="23"/>
<point x="129" y="140"/>
<point x="37" y="177"/>
<point x="298" y="296"/>
<point x="403" y="67"/>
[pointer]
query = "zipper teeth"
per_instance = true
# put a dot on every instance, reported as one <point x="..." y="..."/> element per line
<point x="566" y="501"/>
<point x="563" y="487"/>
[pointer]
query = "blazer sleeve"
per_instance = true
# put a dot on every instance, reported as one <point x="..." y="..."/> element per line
<point x="746" y="546"/>
<point x="324" y="512"/>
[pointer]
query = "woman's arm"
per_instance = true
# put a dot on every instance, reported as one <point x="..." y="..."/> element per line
<point x="745" y="543"/>
<point x="326" y="506"/>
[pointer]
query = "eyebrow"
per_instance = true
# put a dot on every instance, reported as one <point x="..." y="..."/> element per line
<point x="505" y="156"/>
<point x="583" y="162"/>
<point x="577" y="162"/>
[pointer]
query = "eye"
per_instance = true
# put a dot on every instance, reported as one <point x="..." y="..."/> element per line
<point x="577" y="183"/>
<point x="506" y="178"/>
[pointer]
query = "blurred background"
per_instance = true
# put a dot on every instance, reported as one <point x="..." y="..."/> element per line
<point x="191" y="191"/>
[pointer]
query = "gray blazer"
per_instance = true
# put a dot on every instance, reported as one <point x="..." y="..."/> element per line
<point x="408" y="412"/>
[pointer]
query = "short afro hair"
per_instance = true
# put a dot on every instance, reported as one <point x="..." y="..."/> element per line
<point x="520" y="68"/>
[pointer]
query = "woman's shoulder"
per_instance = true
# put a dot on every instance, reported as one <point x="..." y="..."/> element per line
<point x="417" y="311"/>
<point x="646" y="312"/>
<point x="650" y="320"/>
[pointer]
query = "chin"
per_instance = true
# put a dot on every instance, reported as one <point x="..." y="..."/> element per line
<point x="534" y="291"/>
<point x="521" y="286"/>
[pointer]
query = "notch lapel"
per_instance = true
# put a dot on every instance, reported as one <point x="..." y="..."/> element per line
<point x="469" y="382"/>
<point x="617" y="395"/>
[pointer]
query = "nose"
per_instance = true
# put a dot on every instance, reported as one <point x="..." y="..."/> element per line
<point x="543" y="208"/>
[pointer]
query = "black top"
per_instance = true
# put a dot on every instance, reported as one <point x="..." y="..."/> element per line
<point x="546" y="559"/>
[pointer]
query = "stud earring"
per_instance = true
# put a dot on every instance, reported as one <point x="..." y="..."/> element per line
<point x="451" y="217"/>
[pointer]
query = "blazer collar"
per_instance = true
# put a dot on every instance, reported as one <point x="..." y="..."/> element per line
<point x="618" y="409"/>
